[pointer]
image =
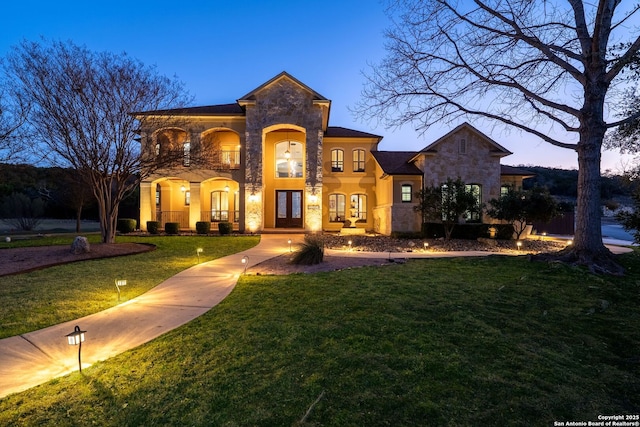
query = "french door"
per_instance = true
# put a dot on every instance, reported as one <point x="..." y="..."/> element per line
<point x="289" y="208"/>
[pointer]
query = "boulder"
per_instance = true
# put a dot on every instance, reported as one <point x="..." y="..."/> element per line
<point x="80" y="245"/>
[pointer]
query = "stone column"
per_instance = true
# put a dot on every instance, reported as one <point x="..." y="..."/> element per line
<point x="147" y="202"/>
<point x="194" y="206"/>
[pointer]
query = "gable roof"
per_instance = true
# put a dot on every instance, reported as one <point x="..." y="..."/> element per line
<point x="396" y="162"/>
<point x="283" y="75"/>
<point x="497" y="148"/>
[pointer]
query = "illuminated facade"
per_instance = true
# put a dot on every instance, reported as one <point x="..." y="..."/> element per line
<point x="271" y="161"/>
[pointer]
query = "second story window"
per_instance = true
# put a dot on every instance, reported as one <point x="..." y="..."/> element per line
<point x="406" y="193"/>
<point x="337" y="160"/>
<point x="289" y="157"/>
<point x="358" y="160"/>
<point x="186" y="154"/>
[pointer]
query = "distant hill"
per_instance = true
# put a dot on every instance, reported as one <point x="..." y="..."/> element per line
<point x="563" y="183"/>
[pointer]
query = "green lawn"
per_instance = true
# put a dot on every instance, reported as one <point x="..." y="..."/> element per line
<point x="478" y="342"/>
<point x="57" y="294"/>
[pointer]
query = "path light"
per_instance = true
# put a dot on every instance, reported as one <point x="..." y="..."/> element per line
<point x="349" y="242"/>
<point x="119" y="284"/>
<point x="426" y="245"/>
<point x="198" y="252"/>
<point x="289" y="242"/>
<point x="519" y="244"/>
<point x="77" y="338"/>
<point x="245" y="261"/>
<point x="570" y="242"/>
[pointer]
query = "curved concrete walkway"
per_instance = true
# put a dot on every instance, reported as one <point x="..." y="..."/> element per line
<point x="36" y="357"/>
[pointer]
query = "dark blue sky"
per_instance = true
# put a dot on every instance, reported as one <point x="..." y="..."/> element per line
<point x="223" y="49"/>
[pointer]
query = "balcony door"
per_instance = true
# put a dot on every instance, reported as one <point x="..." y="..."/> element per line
<point x="289" y="208"/>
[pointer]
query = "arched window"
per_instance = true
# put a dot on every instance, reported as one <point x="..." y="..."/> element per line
<point x="337" y="160"/>
<point x="358" y="206"/>
<point x="337" y="204"/>
<point x="358" y="160"/>
<point x="289" y="157"/>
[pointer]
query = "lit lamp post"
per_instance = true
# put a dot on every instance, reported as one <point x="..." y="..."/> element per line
<point x="120" y="283"/>
<point x="198" y="252"/>
<point x="77" y="338"/>
<point x="289" y="242"/>
<point x="245" y="262"/>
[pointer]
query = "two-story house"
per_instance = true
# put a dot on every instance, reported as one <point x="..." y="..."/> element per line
<point x="271" y="161"/>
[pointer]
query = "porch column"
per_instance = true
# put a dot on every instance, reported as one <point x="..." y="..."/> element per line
<point x="147" y="200"/>
<point x="194" y="207"/>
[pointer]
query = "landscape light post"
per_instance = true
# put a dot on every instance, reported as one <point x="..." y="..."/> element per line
<point x="199" y="251"/>
<point x="245" y="261"/>
<point x="77" y="338"/>
<point x="289" y="241"/>
<point x="120" y="283"/>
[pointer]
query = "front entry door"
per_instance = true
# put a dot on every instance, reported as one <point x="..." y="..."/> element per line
<point x="289" y="208"/>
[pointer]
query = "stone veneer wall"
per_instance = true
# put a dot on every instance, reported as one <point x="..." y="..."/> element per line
<point x="476" y="166"/>
<point x="283" y="102"/>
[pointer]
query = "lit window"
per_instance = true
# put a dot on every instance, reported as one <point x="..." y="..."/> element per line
<point x="337" y="203"/>
<point x="337" y="160"/>
<point x="358" y="206"/>
<point x="358" y="160"/>
<point x="406" y="193"/>
<point x="219" y="206"/>
<point x="186" y="154"/>
<point x="289" y="156"/>
<point x="158" y="149"/>
<point x="476" y="190"/>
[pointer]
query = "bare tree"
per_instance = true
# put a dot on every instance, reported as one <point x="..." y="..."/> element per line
<point x="81" y="104"/>
<point x="549" y="68"/>
<point x="12" y="134"/>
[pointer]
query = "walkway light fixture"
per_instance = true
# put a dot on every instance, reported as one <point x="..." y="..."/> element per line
<point x="245" y="262"/>
<point x="519" y="244"/>
<point x="426" y="245"/>
<point x="198" y="252"/>
<point x="77" y="338"/>
<point x="349" y="243"/>
<point x="289" y="242"/>
<point x="119" y="284"/>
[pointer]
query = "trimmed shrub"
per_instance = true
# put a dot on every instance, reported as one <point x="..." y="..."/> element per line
<point x="126" y="225"/>
<point x="172" y="227"/>
<point x="153" y="227"/>
<point x="203" y="227"/>
<point x="225" y="228"/>
<point x="310" y="252"/>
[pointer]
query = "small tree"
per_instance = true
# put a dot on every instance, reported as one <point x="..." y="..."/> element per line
<point x="521" y="207"/>
<point x="448" y="203"/>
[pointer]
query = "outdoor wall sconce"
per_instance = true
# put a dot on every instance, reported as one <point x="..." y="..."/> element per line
<point x="119" y="284"/>
<point x="183" y="188"/>
<point x="77" y="338"/>
<point x="226" y="188"/>
<point x="198" y="252"/>
<point x="252" y="197"/>
<point x="245" y="261"/>
<point x="289" y="242"/>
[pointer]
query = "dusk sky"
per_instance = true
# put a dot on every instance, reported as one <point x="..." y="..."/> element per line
<point x="223" y="49"/>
